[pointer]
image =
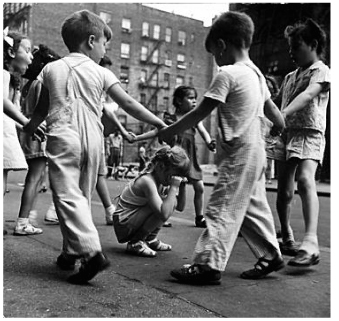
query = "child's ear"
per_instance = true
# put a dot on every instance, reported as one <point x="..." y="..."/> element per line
<point x="221" y="44"/>
<point x="11" y="53"/>
<point x="90" y="41"/>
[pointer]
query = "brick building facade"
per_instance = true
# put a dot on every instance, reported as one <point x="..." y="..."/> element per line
<point x="152" y="52"/>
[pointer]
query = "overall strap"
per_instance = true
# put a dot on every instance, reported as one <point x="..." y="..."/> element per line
<point x="72" y="86"/>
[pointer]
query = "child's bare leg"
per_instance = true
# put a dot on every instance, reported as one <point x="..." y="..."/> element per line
<point x="198" y="186"/>
<point x="286" y="174"/>
<point x="310" y="204"/>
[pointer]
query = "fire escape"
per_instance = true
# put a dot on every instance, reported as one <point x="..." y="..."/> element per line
<point x="16" y="16"/>
<point x="151" y="84"/>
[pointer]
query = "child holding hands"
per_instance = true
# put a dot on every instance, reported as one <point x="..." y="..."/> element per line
<point x="304" y="96"/>
<point x="238" y="201"/>
<point x="142" y="209"/>
<point x="71" y="97"/>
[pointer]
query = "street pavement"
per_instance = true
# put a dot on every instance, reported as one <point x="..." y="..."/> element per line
<point x="138" y="287"/>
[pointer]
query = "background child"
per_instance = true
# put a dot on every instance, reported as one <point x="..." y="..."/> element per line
<point x="17" y="57"/>
<point x="75" y="85"/>
<point x="142" y="209"/>
<point x="238" y="201"/>
<point x="184" y="100"/>
<point x="35" y="151"/>
<point x="304" y="97"/>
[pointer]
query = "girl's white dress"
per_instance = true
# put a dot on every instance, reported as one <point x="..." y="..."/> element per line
<point x="13" y="156"/>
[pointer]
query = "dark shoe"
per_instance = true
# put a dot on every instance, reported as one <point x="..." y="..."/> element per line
<point x="192" y="274"/>
<point x="304" y="259"/>
<point x="289" y="248"/>
<point x="65" y="264"/>
<point x="200" y="221"/>
<point x="263" y="267"/>
<point x="89" y="269"/>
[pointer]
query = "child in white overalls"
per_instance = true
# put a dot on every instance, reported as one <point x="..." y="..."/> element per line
<point x="74" y="86"/>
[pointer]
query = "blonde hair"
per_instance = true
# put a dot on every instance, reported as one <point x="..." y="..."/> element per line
<point x="172" y="157"/>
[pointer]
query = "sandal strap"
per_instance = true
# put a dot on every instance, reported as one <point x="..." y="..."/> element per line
<point x="260" y="264"/>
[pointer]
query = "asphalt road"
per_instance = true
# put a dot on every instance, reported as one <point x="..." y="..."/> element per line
<point x="142" y="287"/>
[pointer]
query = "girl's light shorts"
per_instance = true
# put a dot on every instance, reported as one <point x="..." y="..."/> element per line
<point x="302" y="144"/>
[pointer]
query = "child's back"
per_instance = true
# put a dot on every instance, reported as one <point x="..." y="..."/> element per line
<point x="90" y="81"/>
<point x="245" y="100"/>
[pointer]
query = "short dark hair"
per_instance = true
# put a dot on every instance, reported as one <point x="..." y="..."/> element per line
<point x="234" y="27"/>
<point x="308" y="31"/>
<point x="80" y="25"/>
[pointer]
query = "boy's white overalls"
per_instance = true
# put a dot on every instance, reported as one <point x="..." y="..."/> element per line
<point x="74" y="147"/>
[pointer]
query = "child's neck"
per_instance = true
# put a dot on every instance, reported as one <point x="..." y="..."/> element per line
<point x="310" y="63"/>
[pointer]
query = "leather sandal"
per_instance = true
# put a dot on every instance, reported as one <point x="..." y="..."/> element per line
<point x="157" y="245"/>
<point x="304" y="259"/>
<point x="289" y="248"/>
<point x="264" y="267"/>
<point x="200" y="221"/>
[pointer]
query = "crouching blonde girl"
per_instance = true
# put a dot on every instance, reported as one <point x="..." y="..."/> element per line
<point x="149" y="200"/>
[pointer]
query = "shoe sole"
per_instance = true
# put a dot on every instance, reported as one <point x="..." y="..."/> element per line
<point x="195" y="281"/>
<point x="51" y="222"/>
<point x="139" y="254"/>
<point x="25" y="234"/>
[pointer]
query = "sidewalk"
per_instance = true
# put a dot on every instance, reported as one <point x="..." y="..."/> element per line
<point x="211" y="172"/>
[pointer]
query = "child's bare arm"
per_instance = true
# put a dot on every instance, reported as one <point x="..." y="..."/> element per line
<point x="211" y="143"/>
<point x="132" y="107"/>
<point x="148" y="135"/>
<point x="303" y="99"/>
<point x="109" y="112"/>
<point x="273" y="113"/>
<point x="40" y="112"/>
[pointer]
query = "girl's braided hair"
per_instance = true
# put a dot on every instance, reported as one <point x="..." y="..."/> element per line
<point x="174" y="157"/>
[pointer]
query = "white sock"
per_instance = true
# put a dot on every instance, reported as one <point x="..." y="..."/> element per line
<point x="22" y="221"/>
<point x="310" y="243"/>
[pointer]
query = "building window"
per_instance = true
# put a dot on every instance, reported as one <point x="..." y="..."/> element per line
<point x="124" y="74"/>
<point x="143" y="77"/>
<point x="168" y="61"/>
<point x="125" y="50"/>
<point x="154" y="80"/>
<point x="153" y="103"/>
<point x="145" y="29"/>
<point x="126" y="25"/>
<point x="156" y="32"/>
<point x="166" y="80"/>
<point x="192" y="37"/>
<point x="143" y="99"/>
<point x="144" y="53"/>
<point x="182" y="38"/>
<point x="179" y="81"/>
<point x="181" y="61"/>
<point x="155" y="56"/>
<point x="106" y="17"/>
<point x="168" y="35"/>
<point x="166" y="103"/>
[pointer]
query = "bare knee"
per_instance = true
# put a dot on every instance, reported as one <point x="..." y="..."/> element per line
<point x="305" y="184"/>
